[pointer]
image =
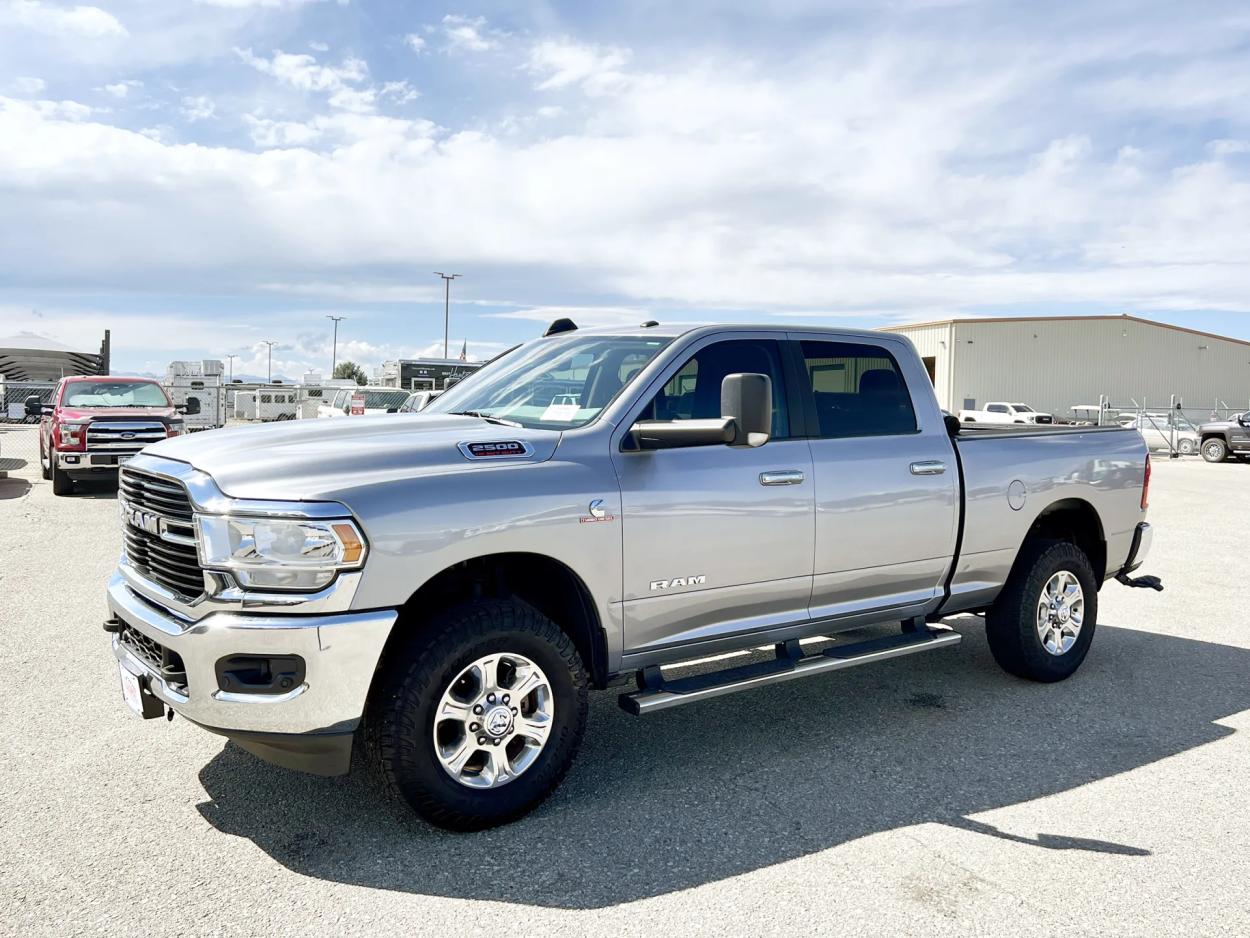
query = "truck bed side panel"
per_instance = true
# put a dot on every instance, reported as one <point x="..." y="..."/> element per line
<point x="1101" y="467"/>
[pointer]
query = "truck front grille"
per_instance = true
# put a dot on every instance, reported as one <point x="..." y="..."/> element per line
<point x="123" y="436"/>
<point x="156" y="656"/>
<point x="159" y="532"/>
<point x="1045" y="420"/>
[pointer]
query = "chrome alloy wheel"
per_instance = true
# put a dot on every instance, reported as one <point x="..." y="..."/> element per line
<point x="493" y="720"/>
<point x="1060" y="612"/>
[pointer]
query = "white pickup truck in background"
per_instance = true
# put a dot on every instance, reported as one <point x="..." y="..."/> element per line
<point x="1003" y="412"/>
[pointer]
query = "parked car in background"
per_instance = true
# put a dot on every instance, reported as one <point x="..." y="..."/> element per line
<point x="1003" y="412"/>
<point x="366" y="399"/>
<point x="444" y="590"/>
<point x="418" y="400"/>
<point x="1224" y="438"/>
<point x="1158" y="430"/>
<point x="94" y="424"/>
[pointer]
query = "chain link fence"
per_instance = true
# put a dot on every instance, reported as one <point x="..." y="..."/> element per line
<point x="19" y="434"/>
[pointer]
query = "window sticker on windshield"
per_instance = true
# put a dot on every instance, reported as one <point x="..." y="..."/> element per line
<point x="560" y="413"/>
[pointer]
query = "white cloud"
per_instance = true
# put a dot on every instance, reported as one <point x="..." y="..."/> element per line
<point x="340" y="82"/>
<point x="82" y="21"/>
<point x="241" y="4"/>
<point x="27" y="85"/>
<point x="468" y="34"/>
<point x="414" y="42"/>
<point x="319" y="46"/>
<point x="563" y="62"/>
<point x="198" y="108"/>
<point x="121" y="89"/>
<point x="399" y="91"/>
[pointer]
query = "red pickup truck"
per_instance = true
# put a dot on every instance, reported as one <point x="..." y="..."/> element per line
<point x="95" y="424"/>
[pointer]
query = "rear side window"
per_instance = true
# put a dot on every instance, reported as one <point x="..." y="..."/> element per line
<point x="858" y="390"/>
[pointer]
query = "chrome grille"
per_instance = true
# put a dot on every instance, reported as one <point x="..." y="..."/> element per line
<point x="159" y="532"/>
<point x="123" y="436"/>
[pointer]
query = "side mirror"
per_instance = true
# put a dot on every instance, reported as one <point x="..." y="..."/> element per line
<point x="747" y="400"/>
<point x="34" y="406"/>
<point x="746" y="419"/>
<point x="190" y="408"/>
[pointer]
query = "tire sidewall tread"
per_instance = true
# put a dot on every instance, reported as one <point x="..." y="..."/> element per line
<point x="398" y="726"/>
<point x="1010" y="624"/>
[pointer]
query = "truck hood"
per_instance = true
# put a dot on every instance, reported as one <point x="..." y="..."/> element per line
<point x="314" y="459"/>
<point x="110" y="413"/>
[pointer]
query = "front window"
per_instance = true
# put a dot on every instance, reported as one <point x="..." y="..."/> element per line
<point x="552" y="384"/>
<point x="1023" y="408"/>
<point x="114" y="394"/>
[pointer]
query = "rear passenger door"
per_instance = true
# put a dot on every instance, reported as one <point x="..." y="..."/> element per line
<point x="886" y="483"/>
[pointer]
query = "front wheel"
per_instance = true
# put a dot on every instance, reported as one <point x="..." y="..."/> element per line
<point x="62" y="484"/>
<point x="1214" y="450"/>
<point x="477" y="720"/>
<point x="1186" y="447"/>
<point x="1041" y="626"/>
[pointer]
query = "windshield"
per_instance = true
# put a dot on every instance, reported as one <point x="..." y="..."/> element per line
<point x="1023" y="408"/>
<point x="114" y="394"/>
<point x="552" y="384"/>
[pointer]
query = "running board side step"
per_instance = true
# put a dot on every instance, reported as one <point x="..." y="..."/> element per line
<point x="656" y="693"/>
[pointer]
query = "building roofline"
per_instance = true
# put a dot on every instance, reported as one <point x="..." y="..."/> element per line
<point x="1122" y="317"/>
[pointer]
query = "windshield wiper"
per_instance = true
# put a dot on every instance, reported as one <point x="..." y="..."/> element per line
<point x="488" y="417"/>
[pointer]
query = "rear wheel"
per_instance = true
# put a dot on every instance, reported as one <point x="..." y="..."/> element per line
<point x="1185" y="447"/>
<point x="1214" y="450"/>
<point x="478" y="719"/>
<point x="1041" y="626"/>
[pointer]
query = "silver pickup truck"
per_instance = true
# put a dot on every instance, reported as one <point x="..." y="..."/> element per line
<point x="445" y="587"/>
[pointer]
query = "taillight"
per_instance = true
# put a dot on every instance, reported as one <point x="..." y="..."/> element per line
<point x="1145" y="486"/>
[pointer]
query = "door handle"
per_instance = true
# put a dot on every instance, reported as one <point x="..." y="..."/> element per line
<point x="782" y="477"/>
<point x="930" y="467"/>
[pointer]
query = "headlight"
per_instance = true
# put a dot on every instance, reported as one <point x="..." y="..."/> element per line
<point x="279" y="553"/>
<point x="176" y="428"/>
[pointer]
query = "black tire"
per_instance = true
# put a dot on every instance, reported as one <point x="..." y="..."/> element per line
<point x="45" y="470"/>
<point x="1011" y="623"/>
<point x="399" y="726"/>
<point x="62" y="484"/>
<point x="1214" y="449"/>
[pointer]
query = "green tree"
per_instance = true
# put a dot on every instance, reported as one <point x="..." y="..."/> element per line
<point x="347" y="369"/>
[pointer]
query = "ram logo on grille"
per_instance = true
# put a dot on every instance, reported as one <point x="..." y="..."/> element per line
<point x="147" y="521"/>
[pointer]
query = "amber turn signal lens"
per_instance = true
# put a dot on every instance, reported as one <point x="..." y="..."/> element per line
<point x="352" y="548"/>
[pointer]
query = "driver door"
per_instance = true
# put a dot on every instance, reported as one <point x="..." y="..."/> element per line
<point x="717" y="539"/>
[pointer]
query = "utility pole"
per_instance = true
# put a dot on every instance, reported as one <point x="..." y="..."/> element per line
<point x="334" y="356"/>
<point x="232" y="358"/>
<point x="447" y="279"/>
<point x="271" y="345"/>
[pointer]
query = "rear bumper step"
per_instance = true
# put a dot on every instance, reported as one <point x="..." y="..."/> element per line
<point x="663" y="694"/>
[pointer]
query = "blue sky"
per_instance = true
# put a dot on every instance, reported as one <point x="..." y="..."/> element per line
<point x="203" y="176"/>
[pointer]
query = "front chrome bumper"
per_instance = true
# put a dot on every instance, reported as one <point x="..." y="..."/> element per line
<point x="340" y="651"/>
<point x="81" y="462"/>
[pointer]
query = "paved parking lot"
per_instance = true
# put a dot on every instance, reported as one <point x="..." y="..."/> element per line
<point x="926" y="796"/>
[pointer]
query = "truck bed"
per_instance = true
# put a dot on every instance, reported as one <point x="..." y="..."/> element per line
<point x="1011" y="473"/>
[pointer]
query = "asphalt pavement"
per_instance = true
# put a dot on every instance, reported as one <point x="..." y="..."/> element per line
<point x="926" y="796"/>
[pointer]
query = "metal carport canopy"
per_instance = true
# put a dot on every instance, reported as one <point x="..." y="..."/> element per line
<point x="30" y="357"/>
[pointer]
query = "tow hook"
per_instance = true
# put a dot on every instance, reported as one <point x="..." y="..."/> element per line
<point x="1141" y="582"/>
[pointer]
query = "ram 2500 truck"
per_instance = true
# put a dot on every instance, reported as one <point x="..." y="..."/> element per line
<point x="94" y="424"/>
<point x="445" y="589"/>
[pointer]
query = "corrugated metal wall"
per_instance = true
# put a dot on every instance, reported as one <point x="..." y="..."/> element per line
<point x="1054" y="364"/>
<point x="933" y="342"/>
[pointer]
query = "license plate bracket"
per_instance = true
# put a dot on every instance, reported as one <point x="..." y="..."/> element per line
<point x="136" y="696"/>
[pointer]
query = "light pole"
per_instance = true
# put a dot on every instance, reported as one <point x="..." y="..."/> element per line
<point x="447" y="279"/>
<point x="232" y="358"/>
<point x="334" y="356"/>
<point x="271" y="345"/>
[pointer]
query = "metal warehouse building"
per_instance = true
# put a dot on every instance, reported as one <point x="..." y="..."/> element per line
<point x="1055" y="362"/>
